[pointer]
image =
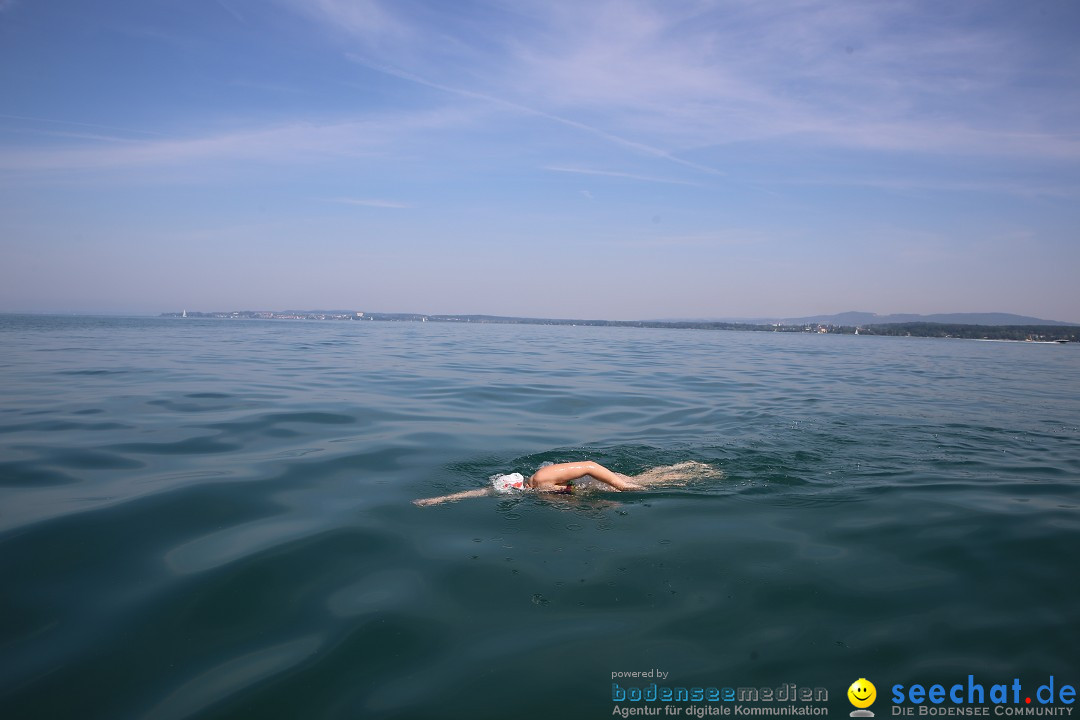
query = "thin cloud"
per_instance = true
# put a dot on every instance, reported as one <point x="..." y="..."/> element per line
<point x="96" y="137"/>
<point x="72" y="123"/>
<point x="366" y="19"/>
<point x="372" y="202"/>
<point x="617" y="174"/>
<point x="610" y="137"/>
<point x="1017" y="188"/>
<point x="267" y="86"/>
<point x="680" y="80"/>
<point x="227" y="7"/>
<point x="302" y="142"/>
<point x="725" y="238"/>
<point x="291" y="142"/>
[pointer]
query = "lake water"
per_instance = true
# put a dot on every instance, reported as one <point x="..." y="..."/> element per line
<point x="209" y="518"/>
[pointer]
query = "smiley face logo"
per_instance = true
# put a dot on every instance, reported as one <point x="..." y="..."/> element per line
<point x="862" y="694"/>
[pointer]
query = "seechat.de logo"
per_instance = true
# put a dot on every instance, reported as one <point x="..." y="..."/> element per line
<point x="862" y="694"/>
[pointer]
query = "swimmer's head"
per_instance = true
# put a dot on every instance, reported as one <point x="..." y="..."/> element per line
<point x="508" y="483"/>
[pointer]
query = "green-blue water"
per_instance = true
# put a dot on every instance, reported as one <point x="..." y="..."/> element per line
<point x="212" y="519"/>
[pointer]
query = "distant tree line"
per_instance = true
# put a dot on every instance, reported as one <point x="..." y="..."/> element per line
<point x="1044" y="333"/>
<point x="916" y="329"/>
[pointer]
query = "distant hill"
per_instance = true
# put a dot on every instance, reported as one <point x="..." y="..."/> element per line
<point x="865" y="318"/>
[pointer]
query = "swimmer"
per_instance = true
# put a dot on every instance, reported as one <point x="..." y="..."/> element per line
<point x="560" y="479"/>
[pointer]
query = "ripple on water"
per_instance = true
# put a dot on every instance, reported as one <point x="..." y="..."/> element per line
<point x="232" y="676"/>
<point x="200" y="445"/>
<point x="238" y="542"/>
<point x="392" y="588"/>
<point x="31" y="474"/>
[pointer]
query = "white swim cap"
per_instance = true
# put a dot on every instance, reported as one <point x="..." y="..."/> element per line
<point x="508" y="483"/>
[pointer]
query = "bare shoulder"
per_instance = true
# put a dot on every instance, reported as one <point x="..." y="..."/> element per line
<point x="561" y="473"/>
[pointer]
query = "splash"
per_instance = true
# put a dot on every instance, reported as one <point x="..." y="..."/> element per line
<point x="678" y="474"/>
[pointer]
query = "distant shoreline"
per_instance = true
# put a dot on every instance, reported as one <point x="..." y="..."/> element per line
<point x="1016" y="333"/>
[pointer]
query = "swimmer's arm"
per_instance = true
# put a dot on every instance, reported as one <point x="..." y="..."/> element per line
<point x="553" y="477"/>
<point x="422" y="502"/>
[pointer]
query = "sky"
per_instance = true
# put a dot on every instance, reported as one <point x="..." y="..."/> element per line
<point x="587" y="159"/>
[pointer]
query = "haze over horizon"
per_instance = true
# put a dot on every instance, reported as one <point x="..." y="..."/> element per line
<point x="623" y="161"/>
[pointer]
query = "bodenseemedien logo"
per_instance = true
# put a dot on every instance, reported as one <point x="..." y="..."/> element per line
<point x="862" y="694"/>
